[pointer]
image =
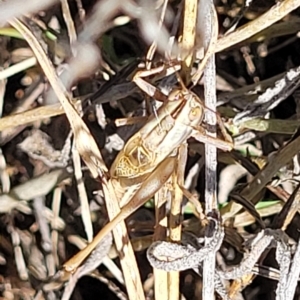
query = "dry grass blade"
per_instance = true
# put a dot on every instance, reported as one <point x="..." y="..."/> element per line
<point x="90" y="153"/>
<point x="188" y="39"/>
<point x="124" y="247"/>
<point x="276" y="13"/>
<point x="276" y="30"/>
<point x="69" y="22"/>
<point x="31" y="116"/>
<point x="175" y="217"/>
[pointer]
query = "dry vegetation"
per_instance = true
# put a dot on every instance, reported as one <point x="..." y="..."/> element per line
<point x="78" y="88"/>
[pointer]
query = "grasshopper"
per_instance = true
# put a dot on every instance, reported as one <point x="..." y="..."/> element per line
<point x="150" y="156"/>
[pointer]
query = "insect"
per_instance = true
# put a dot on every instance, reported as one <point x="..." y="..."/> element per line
<point x="150" y="156"/>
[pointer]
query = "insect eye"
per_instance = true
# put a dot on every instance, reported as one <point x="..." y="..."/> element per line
<point x="195" y="114"/>
<point x="175" y="95"/>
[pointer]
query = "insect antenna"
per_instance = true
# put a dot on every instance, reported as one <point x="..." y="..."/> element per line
<point x="183" y="86"/>
<point x="154" y="110"/>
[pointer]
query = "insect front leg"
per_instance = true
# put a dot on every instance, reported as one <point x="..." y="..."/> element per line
<point x="147" y="87"/>
<point x="201" y="136"/>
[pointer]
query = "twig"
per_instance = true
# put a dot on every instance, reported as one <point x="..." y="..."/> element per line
<point x="210" y="25"/>
<point x="26" y="103"/>
<point x="175" y="257"/>
<point x="19" y="67"/>
<point x="175" y="216"/>
<point x="273" y="96"/>
<point x="46" y="244"/>
<point x="18" y="254"/>
<point x="4" y="177"/>
<point x="81" y="11"/>
<point x="293" y="274"/>
<point x="70" y="24"/>
<point x="83" y="199"/>
<point x="38" y="205"/>
<point x="152" y="48"/>
<point x="160" y="276"/>
<point x="283" y="257"/>
<point x="56" y="200"/>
